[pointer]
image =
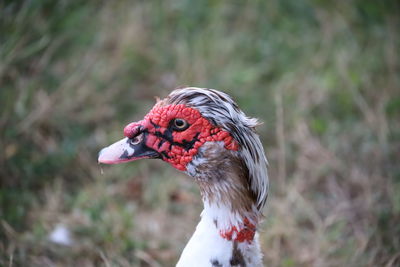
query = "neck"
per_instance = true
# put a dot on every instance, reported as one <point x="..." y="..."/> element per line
<point x="231" y="225"/>
<point x="222" y="238"/>
<point x="228" y="199"/>
<point x="226" y="234"/>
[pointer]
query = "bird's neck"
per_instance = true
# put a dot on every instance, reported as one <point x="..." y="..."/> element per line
<point x="222" y="238"/>
<point x="226" y="192"/>
<point x="230" y="224"/>
<point x="226" y="234"/>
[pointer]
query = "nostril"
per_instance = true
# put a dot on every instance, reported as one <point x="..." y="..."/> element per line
<point x="136" y="140"/>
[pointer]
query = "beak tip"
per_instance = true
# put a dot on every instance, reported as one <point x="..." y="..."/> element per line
<point x="113" y="153"/>
<point x="102" y="157"/>
<point x="99" y="156"/>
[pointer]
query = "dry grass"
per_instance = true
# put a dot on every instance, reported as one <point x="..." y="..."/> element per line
<point x="323" y="77"/>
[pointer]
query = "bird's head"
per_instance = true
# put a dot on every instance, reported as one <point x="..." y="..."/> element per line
<point x="191" y="129"/>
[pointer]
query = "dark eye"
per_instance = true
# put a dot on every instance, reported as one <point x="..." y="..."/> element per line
<point x="180" y="124"/>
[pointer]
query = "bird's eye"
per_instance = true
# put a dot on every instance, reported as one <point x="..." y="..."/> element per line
<point x="180" y="124"/>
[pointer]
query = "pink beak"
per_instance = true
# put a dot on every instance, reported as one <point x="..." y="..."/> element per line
<point x="127" y="149"/>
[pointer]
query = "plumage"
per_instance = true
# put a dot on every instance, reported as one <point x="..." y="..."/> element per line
<point x="204" y="133"/>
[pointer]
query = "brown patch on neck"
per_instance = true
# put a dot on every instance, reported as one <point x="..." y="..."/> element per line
<point x="237" y="258"/>
<point x="224" y="178"/>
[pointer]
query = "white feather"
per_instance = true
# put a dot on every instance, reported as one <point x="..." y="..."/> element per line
<point x="207" y="245"/>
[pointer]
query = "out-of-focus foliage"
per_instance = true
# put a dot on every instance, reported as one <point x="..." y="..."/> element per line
<point x="324" y="76"/>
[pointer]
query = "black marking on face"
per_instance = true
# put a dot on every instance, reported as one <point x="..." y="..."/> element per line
<point x="154" y="125"/>
<point x="140" y="149"/>
<point x="237" y="258"/>
<point x="125" y="155"/>
<point x="167" y="135"/>
<point x="162" y="141"/>
<point x="187" y="145"/>
<point x="215" y="263"/>
<point x="165" y="154"/>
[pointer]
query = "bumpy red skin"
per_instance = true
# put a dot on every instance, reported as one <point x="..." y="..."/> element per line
<point x="200" y="131"/>
<point x="244" y="234"/>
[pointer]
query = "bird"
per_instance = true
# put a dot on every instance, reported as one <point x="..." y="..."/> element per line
<point x="204" y="133"/>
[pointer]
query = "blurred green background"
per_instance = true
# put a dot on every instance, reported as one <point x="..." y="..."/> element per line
<point x="324" y="76"/>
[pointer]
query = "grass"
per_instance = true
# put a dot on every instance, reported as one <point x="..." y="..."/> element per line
<point x="324" y="77"/>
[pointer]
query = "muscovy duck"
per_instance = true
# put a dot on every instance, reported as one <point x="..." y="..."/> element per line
<point x="204" y="133"/>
